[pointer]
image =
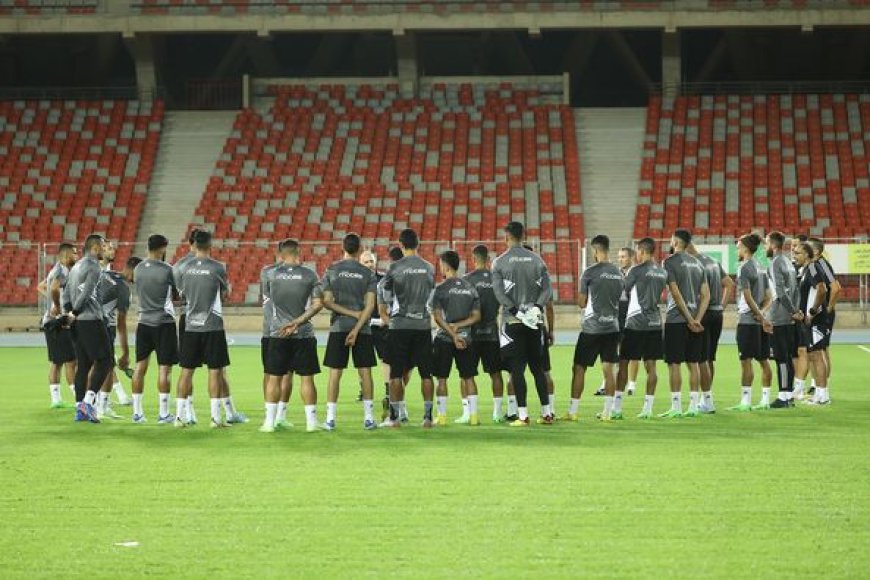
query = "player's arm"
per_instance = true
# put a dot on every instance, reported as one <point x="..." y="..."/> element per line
<point x="472" y="319"/>
<point x="124" y="361"/>
<point x="330" y="304"/>
<point x="498" y="289"/>
<point x="551" y="320"/>
<point x="728" y="288"/>
<point x="583" y="295"/>
<point x="753" y="305"/>
<point x="833" y="286"/>
<point x="674" y="289"/>
<point x="54" y="294"/>
<point x="819" y="302"/>
<point x="782" y="296"/>
<point x="90" y="285"/>
<point x="42" y="288"/>
<point x="366" y="312"/>
<point x="705" y="300"/>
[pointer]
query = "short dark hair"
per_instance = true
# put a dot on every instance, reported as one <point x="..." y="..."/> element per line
<point x="818" y="245"/>
<point x="191" y="237"/>
<point x="481" y="252"/>
<point x="289" y="246"/>
<point x="132" y="262"/>
<point x="395" y="254"/>
<point x="684" y="236"/>
<point x="65" y="247"/>
<point x="808" y="248"/>
<point x="528" y="247"/>
<point x="751" y="241"/>
<point x="801" y="238"/>
<point x="515" y="230"/>
<point x="409" y="239"/>
<point x="450" y="258"/>
<point x="202" y="239"/>
<point x="628" y="251"/>
<point x="776" y="238"/>
<point x="351" y="244"/>
<point x="157" y="242"/>
<point x="93" y="240"/>
<point x="648" y="245"/>
<point x="601" y="242"/>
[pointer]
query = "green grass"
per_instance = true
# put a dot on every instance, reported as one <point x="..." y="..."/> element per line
<point x="780" y="493"/>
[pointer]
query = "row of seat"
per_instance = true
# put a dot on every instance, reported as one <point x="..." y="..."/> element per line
<point x="39" y="7"/>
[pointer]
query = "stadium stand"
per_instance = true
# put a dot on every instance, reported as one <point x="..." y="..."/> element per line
<point x="68" y="168"/>
<point x="723" y="165"/>
<point x="456" y="164"/>
<point x="40" y="7"/>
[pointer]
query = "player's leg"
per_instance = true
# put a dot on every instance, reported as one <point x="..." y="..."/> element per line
<point x="164" y="385"/>
<point x="365" y="359"/>
<point x="513" y="354"/>
<point x="631" y="383"/>
<point x="399" y="363"/>
<point x="817" y="360"/>
<point x="271" y="397"/>
<point x="309" y="399"/>
<point x="69" y="371"/>
<point x="675" y="337"/>
<point x="274" y="369"/>
<point x="784" y="353"/>
<point x="281" y="421"/>
<point x="466" y="367"/>
<point x="335" y="359"/>
<point x="145" y="344"/>
<point x="652" y="380"/>
<point x="803" y="335"/>
<point x="535" y="356"/>
<point x="103" y="360"/>
<point x="183" y="394"/>
<point x="582" y="351"/>
<point x="215" y="390"/>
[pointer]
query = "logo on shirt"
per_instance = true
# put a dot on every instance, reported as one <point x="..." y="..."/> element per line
<point x="460" y="291"/>
<point x="607" y="276"/>
<point x="520" y="259"/>
<point x="288" y="277"/>
<point x="195" y="272"/>
<point x="416" y="271"/>
<point x="353" y="275"/>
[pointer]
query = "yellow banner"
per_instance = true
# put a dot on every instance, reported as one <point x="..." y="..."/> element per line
<point x="859" y="259"/>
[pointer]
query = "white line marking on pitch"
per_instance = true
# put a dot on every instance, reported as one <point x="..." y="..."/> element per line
<point x="864" y="348"/>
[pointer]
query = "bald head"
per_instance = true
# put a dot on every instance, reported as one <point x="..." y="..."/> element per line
<point x="369" y="260"/>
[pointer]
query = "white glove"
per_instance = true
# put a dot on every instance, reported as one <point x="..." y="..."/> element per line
<point x="531" y="317"/>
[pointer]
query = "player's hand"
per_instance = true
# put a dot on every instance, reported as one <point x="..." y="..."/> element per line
<point x="767" y="327"/>
<point x="808" y="320"/>
<point x="357" y="314"/>
<point x="798" y="316"/>
<point x="459" y="343"/>
<point x="758" y="317"/>
<point x="550" y="338"/>
<point x="70" y="319"/>
<point x="54" y="312"/>
<point x="351" y="338"/>
<point x="124" y="361"/>
<point x="696" y="326"/>
<point x="289" y="329"/>
<point x="453" y="328"/>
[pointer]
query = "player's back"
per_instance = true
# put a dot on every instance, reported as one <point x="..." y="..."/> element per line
<point x="524" y="278"/>
<point x="714" y="273"/>
<point x="202" y="283"/>
<point x="114" y="293"/>
<point x="487" y="328"/>
<point x="602" y="283"/>
<point x="290" y="290"/>
<point x="407" y="286"/>
<point x="688" y="274"/>
<point x="348" y="281"/>
<point x="645" y="284"/>
<point x="154" y="289"/>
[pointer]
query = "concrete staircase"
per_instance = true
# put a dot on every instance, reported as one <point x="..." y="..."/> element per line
<point x="189" y="147"/>
<point x="610" y="146"/>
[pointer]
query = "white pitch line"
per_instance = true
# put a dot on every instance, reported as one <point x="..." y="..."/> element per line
<point x="864" y="348"/>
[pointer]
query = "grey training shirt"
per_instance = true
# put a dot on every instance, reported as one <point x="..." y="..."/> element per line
<point x="349" y="282"/>
<point x="114" y="295"/>
<point x="406" y="288"/>
<point x="267" y="303"/>
<point x="520" y="280"/>
<point x="750" y="277"/>
<point x="155" y="285"/>
<point x="290" y="290"/>
<point x="82" y="289"/>
<point x="602" y="285"/>
<point x="644" y="284"/>
<point x="60" y="273"/>
<point x="786" y="294"/>
<point x="456" y="299"/>
<point x="688" y="273"/>
<point x="203" y="281"/>
<point x="487" y="329"/>
<point x="715" y="274"/>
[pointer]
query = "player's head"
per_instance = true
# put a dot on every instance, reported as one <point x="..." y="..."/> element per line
<point x="798" y="239"/>
<point x="680" y="240"/>
<point x="352" y="244"/>
<point x="803" y="253"/>
<point x="369" y="260"/>
<point x="514" y="233"/>
<point x="449" y="262"/>
<point x="818" y="246"/>
<point x="157" y="245"/>
<point x="626" y="258"/>
<point x="67" y="254"/>
<point x="528" y="247"/>
<point x="191" y="237"/>
<point x="94" y="246"/>
<point x="774" y="243"/>
<point x="396" y="254"/>
<point x="600" y="247"/>
<point x="646" y="249"/>
<point x="202" y="241"/>
<point x="108" y="251"/>
<point x="408" y="239"/>
<point x="480" y="255"/>
<point x="130" y="267"/>
<point x="289" y="250"/>
<point x="747" y="246"/>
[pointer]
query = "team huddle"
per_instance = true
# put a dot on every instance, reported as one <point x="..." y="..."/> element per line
<point x="498" y="316"/>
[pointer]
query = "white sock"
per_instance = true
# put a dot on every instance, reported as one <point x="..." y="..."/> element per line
<point x="54" y="389"/>
<point x="496" y="406"/>
<point x="694" y="396"/>
<point x="545" y="410"/>
<point x="823" y="394"/>
<point x="181" y="409"/>
<point x="608" y="405"/>
<point x="441" y="403"/>
<point x="782" y="396"/>
<point x="603" y="385"/>
<point x="523" y="413"/>
<point x="813" y="383"/>
<point x="163" y="398"/>
<point x="137" y="404"/>
<point x="216" y="410"/>
<point x="746" y="395"/>
<point x="472" y="405"/>
<point x="617" y="401"/>
<point x="512" y="405"/>
<point x="403" y="410"/>
<point x="465" y="407"/>
<point x="271" y="411"/>
<point x="369" y="409"/>
<point x="765" y="395"/>
<point x="90" y="397"/>
<point x="282" y="411"/>
<point x="119" y="391"/>
<point x="102" y="401"/>
<point x="798" y="386"/>
<point x="573" y="406"/>
<point x="553" y="404"/>
<point x="229" y="408"/>
<point x="331" y="411"/>
<point x="648" y="403"/>
<point x="708" y="399"/>
<point x="631" y="386"/>
<point x="191" y="412"/>
<point x="311" y="415"/>
<point x="677" y="402"/>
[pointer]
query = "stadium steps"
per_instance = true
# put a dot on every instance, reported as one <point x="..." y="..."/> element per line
<point x="610" y="143"/>
<point x="190" y="145"/>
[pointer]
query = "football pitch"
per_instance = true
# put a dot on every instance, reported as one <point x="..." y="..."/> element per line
<point x="762" y="494"/>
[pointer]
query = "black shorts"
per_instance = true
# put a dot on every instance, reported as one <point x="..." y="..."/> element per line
<point x="292" y="355"/>
<point x="264" y="349"/>
<point x="381" y="340"/>
<point x="752" y="342"/>
<point x="712" y="333"/>
<point x="60" y="346"/>
<point x="160" y="339"/>
<point x="409" y="349"/>
<point x="337" y="353"/>
<point x="784" y="342"/>
<point x="444" y="353"/>
<point x="205" y="348"/>
<point x="546" y="366"/>
<point x="521" y="344"/>
<point x="813" y="338"/>
<point x="590" y="346"/>
<point x="113" y="336"/>
<point x="487" y="352"/>
<point x="682" y="345"/>
<point x="91" y="340"/>
<point x="641" y="345"/>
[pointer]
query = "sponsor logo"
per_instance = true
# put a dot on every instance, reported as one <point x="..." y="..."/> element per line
<point x="416" y="271"/>
<point x="195" y="272"/>
<point x="353" y="275"/>
<point x="460" y="291"/>
<point x="288" y="277"/>
<point x="607" y="276"/>
<point x="520" y="259"/>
